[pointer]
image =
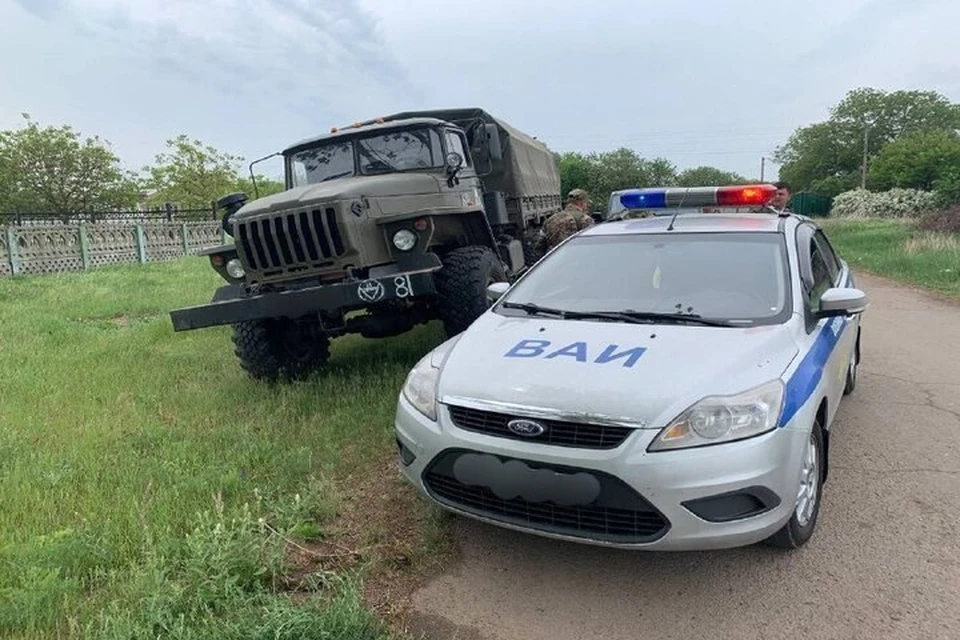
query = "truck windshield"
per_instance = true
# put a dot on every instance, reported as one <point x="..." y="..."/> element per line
<point x="733" y="277"/>
<point x="405" y="150"/>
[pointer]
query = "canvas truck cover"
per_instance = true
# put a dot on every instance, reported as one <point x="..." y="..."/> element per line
<point x="528" y="167"/>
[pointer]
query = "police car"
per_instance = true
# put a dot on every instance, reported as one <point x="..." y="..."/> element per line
<point x="660" y="383"/>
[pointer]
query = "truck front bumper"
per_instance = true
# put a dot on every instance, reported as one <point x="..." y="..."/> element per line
<point x="230" y="306"/>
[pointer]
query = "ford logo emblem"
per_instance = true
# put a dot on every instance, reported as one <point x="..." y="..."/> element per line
<point x="526" y="428"/>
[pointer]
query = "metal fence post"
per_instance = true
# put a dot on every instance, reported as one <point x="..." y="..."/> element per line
<point x="141" y="243"/>
<point x="13" y="252"/>
<point x="186" y="242"/>
<point x="84" y="247"/>
<point x="223" y="236"/>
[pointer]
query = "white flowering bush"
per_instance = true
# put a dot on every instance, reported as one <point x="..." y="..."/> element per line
<point x="895" y="203"/>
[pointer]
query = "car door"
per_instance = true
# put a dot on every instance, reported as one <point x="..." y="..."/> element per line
<point x="842" y="277"/>
<point x="829" y="338"/>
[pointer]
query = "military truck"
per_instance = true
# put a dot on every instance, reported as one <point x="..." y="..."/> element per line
<point x="383" y="225"/>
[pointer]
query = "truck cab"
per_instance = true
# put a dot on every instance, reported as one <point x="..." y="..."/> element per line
<point x="396" y="217"/>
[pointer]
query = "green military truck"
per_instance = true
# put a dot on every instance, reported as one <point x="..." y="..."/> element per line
<point x="383" y="225"/>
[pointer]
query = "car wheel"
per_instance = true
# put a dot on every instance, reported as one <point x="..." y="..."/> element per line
<point x="851" y="382"/>
<point x="803" y="520"/>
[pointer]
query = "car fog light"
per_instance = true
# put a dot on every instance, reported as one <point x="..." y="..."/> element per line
<point x="404" y="240"/>
<point x="235" y="269"/>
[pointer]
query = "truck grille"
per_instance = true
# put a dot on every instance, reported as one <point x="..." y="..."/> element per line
<point x="617" y="514"/>
<point x="291" y="241"/>
<point x="561" y="434"/>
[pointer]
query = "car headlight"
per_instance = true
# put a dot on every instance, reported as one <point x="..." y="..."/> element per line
<point x="420" y="388"/>
<point x="404" y="240"/>
<point x="235" y="269"/>
<point x="717" y="419"/>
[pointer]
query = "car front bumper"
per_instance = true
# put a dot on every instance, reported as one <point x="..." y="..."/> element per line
<point x="714" y="497"/>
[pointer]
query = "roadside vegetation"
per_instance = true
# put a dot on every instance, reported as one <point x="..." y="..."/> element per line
<point x="924" y="253"/>
<point x="149" y="489"/>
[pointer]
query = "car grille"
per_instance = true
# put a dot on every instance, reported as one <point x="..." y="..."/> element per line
<point x="618" y="514"/>
<point x="291" y="241"/>
<point x="562" y="434"/>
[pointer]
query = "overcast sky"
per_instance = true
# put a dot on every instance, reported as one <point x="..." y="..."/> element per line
<point x="699" y="82"/>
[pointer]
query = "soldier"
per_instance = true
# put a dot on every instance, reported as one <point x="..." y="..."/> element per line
<point x="570" y="220"/>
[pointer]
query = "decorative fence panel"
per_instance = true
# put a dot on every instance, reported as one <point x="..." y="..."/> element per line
<point x="52" y="248"/>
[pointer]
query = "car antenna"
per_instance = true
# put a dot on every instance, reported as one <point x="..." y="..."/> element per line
<point x="674" y="218"/>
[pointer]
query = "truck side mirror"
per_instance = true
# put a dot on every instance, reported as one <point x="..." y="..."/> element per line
<point x="494" y="148"/>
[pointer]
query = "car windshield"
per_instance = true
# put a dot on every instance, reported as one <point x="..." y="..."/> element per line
<point x="387" y="152"/>
<point x="735" y="278"/>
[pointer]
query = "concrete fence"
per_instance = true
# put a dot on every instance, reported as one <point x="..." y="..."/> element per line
<point x="52" y="248"/>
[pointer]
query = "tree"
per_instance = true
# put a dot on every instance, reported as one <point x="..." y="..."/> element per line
<point x="828" y="156"/>
<point x="56" y="170"/>
<point x="265" y="186"/>
<point x="574" y="168"/>
<point x="916" y="160"/>
<point x="708" y="176"/>
<point x="192" y="175"/>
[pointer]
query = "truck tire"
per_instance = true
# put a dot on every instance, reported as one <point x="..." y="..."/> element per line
<point x="462" y="286"/>
<point x="280" y="348"/>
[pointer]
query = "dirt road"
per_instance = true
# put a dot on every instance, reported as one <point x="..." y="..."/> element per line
<point x="884" y="562"/>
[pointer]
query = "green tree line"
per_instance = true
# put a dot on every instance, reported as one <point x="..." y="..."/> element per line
<point x="55" y="169"/>
<point x="908" y="139"/>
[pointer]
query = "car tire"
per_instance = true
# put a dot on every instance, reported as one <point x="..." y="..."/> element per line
<point x="803" y="520"/>
<point x="852" y="369"/>
<point x="280" y="349"/>
<point x="462" y="286"/>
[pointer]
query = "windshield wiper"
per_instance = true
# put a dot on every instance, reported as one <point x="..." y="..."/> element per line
<point x="653" y="316"/>
<point x="535" y="309"/>
<point x="633" y="317"/>
<point x="337" y="175"/>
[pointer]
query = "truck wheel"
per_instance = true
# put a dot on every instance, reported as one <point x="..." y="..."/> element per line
<point x="280" y="348"/>
<point x="462" y="286"/>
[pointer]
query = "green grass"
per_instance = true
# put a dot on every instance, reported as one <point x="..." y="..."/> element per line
<point x="142" y="474"/>
<point x="894" y="249"/>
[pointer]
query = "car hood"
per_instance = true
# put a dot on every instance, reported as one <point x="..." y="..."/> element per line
<point x="638" y="375"/>
<point x="373" y="186"/>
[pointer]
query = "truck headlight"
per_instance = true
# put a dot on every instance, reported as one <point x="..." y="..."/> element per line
<point x="404" y="240"/>
<point x="717" y="419"/>
<point x="235" y="269"/>
<point x="420" y="388"/>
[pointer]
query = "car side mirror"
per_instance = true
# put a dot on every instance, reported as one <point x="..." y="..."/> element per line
<point x="842" y="301"/>
<point x="497" y="289"/>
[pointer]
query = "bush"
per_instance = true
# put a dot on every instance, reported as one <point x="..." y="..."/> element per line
<point x="895" y="203"/>
<point x="947" y="187"/>
<point x="944" y="220"/>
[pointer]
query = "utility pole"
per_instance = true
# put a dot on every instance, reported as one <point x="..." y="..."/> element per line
<point x="863" y="171"/>
<point x="763" y="161"/>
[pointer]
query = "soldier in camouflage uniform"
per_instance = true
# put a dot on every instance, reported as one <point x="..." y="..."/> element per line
<point x="570" y="220"/>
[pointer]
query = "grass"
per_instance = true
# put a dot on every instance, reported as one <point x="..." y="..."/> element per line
<point x="895" y="249"/>
<point x="148" y="488"/>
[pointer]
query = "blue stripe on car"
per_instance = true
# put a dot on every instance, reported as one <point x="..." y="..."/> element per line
<point x="804" y="380"/>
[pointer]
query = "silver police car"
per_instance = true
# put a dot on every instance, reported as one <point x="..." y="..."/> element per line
<point x="665" y="383"/>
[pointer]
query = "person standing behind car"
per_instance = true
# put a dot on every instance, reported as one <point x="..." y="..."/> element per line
<point x="571" y="219"/>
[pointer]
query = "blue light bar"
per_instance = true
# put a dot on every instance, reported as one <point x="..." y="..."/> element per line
<point x="644" y="199"/>
<point x="668" y="197"/>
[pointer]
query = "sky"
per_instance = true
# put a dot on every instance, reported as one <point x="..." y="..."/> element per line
<point x="721" y="83"/>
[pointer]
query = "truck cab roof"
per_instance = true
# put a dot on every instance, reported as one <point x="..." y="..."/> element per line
<point x="363" y="129"/>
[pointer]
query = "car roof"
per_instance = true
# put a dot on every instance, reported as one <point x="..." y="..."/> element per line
<point x="698" y="223"/>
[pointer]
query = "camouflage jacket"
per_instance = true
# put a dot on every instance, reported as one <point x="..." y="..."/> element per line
<point x="564" y="224"/>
